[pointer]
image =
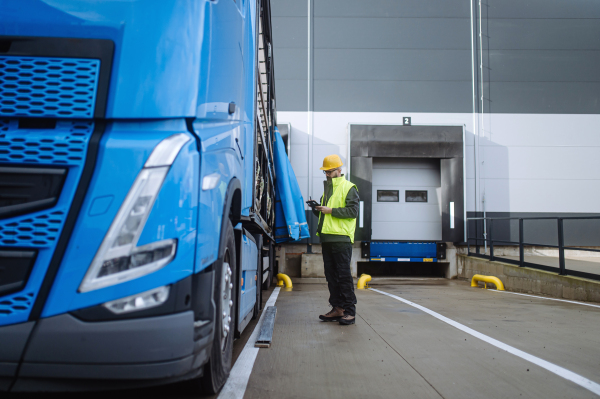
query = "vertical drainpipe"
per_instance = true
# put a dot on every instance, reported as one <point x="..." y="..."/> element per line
<point x="475" y="116"/>
<point x="482" y="125"/>
<point x="311" y="95"/>
<point x="310" y="124"/>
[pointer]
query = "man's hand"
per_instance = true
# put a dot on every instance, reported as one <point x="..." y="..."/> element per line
<point x="323" y="209"/>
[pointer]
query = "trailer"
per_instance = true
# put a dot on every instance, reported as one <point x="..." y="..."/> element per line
<point x="137" y="181"/>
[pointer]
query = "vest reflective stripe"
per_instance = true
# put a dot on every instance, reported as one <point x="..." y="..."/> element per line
<point x="331" y="225"/>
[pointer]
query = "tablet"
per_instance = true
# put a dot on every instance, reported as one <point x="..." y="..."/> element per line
<point x="312" y="203"/>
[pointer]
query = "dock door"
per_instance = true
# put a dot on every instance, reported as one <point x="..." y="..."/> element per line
<point x="411" y="184"/>
<point x="406" y="199"/>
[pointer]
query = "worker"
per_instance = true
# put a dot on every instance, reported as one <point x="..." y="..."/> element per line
<point x="337" y="222"/>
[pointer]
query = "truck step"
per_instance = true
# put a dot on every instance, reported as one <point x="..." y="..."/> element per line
<point x="266" y="330"/>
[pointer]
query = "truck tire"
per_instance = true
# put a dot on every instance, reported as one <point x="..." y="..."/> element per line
<point x="218" y="367"/>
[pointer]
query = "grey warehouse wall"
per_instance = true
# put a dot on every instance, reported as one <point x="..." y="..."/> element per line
<point x="380" y="55"/>
<point x="538" y="56"/>
<point x="290" y="39"/>
<point x="390" y="55"/>
<point x="541" y="56"/>
<point x="534" y="148"/>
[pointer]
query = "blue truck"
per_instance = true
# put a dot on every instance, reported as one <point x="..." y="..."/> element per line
<point x="137" y="189"/>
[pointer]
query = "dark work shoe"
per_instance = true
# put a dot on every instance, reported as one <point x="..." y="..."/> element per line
<point x="347" y="320"/>
<point x="334" y="314"/>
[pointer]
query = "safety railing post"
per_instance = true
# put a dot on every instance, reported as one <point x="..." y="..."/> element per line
<point x="490" y="237"/>
<point x="521" y="247"/>
<point x="468" y="240"/>
<point x="477" y="237"/>
<point x="561" y="248"/>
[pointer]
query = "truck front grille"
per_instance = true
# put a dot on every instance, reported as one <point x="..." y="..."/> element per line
<point x="40" y="166"/>
<point x="64" y="145"/>
<point x="48" y="86"/>
<point x="41" y="230"/>
<point x="15" y="267"/>
<point x="25" y="190"/>
<point x="52" y="91"/>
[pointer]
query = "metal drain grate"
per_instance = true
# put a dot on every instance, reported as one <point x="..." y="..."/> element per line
<point x="15" y="303"/>
<point x="64" y="145"/>
<point x="39" y="231"/>
<point x="48" y="87"/>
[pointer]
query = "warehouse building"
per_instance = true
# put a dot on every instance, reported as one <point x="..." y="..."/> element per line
<point x="443" y="110"/>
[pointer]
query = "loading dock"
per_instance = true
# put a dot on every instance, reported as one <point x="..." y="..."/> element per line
<point x="411" y="180"/>
<point x="406" y="199"/>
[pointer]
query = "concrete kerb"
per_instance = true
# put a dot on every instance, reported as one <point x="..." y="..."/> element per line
<point x="531" y="281"/>
<point x="311" y="266"/>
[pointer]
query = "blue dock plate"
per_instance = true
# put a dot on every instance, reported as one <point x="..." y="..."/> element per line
<point x="394" y="249"/>
<point x="394" y="259"/>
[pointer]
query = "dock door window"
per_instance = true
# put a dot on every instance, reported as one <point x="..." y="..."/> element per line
<point x="388" y="196"/>
<point x="415" y="196"/>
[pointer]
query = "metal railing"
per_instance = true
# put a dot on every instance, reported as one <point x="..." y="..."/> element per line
<point x="487" y="230"/>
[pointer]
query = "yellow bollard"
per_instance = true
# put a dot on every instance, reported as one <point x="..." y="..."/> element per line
<point x="487" y="279"/>
<point x="362" y="281"/>
<point x="284" y="278"/>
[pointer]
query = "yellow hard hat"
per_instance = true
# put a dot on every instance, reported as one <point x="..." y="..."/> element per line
<point x="331" y="162"/>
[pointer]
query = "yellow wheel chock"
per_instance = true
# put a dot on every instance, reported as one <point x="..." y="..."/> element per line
<point x="487" y="279"/>
<point x="284" y="278"/>
<point x="362" y="281"/>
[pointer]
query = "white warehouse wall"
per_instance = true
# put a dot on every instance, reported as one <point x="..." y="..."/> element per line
<point x="527" y="162"/>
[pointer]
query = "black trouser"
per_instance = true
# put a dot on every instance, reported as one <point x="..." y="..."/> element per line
<point x="336" y="257"/>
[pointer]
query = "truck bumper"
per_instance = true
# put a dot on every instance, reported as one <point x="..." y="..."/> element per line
<point x="65" y="353"/>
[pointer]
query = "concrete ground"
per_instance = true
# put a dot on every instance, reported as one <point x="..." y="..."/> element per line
<point x="396" y="350"/>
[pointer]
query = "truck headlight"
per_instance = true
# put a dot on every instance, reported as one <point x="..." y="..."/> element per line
<point x="144" y="300"/>
<point x="119" y="259"/>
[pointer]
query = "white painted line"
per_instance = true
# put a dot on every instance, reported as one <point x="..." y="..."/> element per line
<point x="550" y="299"/>
<point x="235" y="387"/>
<point x="553" y="368"/>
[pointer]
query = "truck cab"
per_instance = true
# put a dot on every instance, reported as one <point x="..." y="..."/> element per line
<point x="138" y="189"/>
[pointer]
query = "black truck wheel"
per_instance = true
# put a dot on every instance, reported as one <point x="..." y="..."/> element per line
<point x="218" y="367"/>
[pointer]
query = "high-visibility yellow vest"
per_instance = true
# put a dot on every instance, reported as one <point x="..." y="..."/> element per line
<point x="331" y="225"/>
